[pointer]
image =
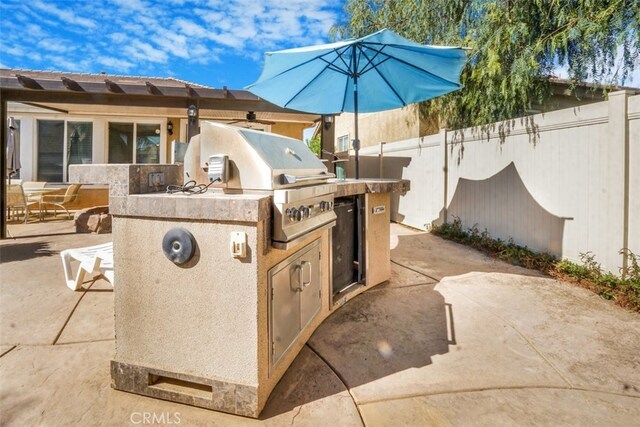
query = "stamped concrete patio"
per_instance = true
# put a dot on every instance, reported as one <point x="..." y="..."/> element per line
<point x="455" y="338"/>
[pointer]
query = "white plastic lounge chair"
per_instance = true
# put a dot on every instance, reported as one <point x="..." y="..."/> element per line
<point x="93" y="259"/>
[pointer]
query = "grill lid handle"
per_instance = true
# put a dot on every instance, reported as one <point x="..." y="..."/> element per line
<point x="292" y="179"/>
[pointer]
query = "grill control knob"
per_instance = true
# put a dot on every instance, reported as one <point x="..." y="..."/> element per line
<point x="325" y="206"/>
<point x="291" y="214"/>
<point x="304" y="212"/>
<point x="298" y="214"/>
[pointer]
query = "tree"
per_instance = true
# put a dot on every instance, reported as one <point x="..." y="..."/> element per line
<point x="514" y="46"/>
<point x="314" y="145"/>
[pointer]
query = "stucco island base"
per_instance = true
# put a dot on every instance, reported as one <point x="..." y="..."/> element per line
<point x="199" y="333"/>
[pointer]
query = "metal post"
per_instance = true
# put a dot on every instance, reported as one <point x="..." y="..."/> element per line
<point x="380" y="160"/>
<point x="3" y="166"/>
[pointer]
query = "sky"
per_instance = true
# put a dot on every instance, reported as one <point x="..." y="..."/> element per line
<point x="210" y="42"/>
<point x="215" y="43"/>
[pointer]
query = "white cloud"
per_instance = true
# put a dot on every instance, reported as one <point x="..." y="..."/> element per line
<point x="118" y="37"/>
<point x="142" y="37"/>
<point x="65" y="15"/>
<point x="190" y="28"/>
<point x="54" y="45"/>
<point x="116" y="64"/>
<point x="68" y="64"/>
<point x="134" y="5"/>
<point x="142" y="51"/>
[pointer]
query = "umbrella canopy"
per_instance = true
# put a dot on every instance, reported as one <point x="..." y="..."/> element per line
<point x="378" y="72"/>
<point x="13" y="149"/>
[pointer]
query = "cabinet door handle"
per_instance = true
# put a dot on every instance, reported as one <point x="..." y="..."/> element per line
<point x="298" y="272"/>
<point x="302" y="270"/>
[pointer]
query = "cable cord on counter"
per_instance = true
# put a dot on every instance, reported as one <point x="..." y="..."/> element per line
<point x="190" y="187"/>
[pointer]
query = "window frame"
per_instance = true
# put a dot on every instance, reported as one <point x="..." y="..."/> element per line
<point x="337" y="145"/>
<point x="135" y="122"/>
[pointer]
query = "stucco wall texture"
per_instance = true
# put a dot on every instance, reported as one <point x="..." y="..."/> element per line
<point x="176" y="318"/>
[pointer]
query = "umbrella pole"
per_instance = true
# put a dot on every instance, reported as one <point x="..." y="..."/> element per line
<point x="359" y="199"/>
<point x="356" y="141"/>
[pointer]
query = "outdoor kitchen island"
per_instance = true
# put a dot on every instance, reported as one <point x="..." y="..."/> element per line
<point x="216" y="329"/>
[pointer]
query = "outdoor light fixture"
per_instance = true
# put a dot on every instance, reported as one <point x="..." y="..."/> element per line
<point x="192" y="112"/>
<point x="170" y="128"/>
<point x="327" y="121"/>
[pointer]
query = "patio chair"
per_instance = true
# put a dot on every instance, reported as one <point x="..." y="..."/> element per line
<point x="16" y="201"/>
<point x="93" y="259"/>
<point x="33" y="185"/>
<point x="59" y="200"/>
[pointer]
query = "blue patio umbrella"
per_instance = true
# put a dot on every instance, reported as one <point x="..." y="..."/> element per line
<point x="378" y="72"/>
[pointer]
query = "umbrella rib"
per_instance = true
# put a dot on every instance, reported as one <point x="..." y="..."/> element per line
<point x="383" y="77"/>
<point x="342" y="52"/>
<point x="302" y="64"/>
<point x="328" y="66"/>
<point x="412" y="65"/>
<point x="370" y="60"/>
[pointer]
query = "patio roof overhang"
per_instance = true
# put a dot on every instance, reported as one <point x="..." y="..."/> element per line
<point x="139" y="94"/>
<point x="92" y="93"/>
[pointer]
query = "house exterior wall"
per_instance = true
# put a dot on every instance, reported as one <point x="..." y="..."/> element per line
<point x="29" y="116"/>
<point x="292" y="130"/>
<point x="374" y="128"/>
<point x="566" y="182"/>
<point x="100" y="149"/>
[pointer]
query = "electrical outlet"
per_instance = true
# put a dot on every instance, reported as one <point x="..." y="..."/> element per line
<point x="156" y="179"/>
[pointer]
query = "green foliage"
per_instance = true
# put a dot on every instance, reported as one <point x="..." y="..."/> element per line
<point x="624" y="290"/>
<point x="514" y="46"/>
<point x="505" y="250"/>
<point x="315" y="144"/>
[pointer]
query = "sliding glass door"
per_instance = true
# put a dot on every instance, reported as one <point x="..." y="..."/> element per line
<point x="61" y="144"/>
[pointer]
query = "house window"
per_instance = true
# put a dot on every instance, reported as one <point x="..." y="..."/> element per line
<point x="342" y="144"/>
<point x="134" y="143"/>
<point x="55" y="138"/>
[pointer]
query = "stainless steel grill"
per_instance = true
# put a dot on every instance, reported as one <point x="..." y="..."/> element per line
<point x="246" y="160"/>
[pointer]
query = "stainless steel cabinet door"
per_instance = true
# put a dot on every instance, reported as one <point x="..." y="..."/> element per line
<point x="310" y="297"/>
<point x="285" y="309"/>
<point x="294" y="286"/>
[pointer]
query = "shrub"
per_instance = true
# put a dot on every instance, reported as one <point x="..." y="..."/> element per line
<point x="624" y="290"/>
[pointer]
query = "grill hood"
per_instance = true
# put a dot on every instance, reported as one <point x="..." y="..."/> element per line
<point x="257" y="160"/>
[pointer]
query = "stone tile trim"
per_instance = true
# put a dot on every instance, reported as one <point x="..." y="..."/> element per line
<point x="131" y="195"/>
<point x="125" y="179"/>
<point x="362" y="186"/>
<point x="236" y="399"/>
